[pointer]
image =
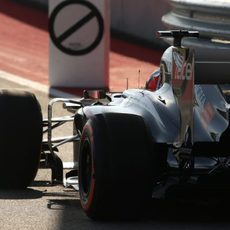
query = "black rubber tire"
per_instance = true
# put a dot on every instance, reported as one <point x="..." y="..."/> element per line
<point x="115" y="177"/>
<point x="20" y="138"/>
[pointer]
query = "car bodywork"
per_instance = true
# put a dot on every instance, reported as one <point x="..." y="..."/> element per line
<point x="195" y="111"/>
<point x="186" y="117"/>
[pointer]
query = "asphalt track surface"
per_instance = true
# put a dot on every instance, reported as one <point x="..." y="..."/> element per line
<point x="24" y="64"/>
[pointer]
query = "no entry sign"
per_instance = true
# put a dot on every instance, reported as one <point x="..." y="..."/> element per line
<point x="79" y="43"/>
<point x="76" y="27"/>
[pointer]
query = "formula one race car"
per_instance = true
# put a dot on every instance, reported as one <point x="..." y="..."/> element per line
<point x="127" y="145"/>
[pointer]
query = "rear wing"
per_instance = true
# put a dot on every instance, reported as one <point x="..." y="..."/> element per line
<point x="212" y="61"/>
<point x="208" y="72"/>
<point x="212" y="66"/>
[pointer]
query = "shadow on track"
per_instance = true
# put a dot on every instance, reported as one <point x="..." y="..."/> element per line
<point x="21" y="194"/>
<point x="169" y="213"/>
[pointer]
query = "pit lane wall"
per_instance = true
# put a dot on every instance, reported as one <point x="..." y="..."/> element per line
<point x="139" y="19"/>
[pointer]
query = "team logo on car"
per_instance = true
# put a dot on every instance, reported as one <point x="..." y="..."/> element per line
<point x="182" y="68"/>
<point x="178" y="60"/>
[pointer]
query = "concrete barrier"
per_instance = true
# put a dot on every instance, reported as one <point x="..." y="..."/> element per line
<point x="139" y="19"/>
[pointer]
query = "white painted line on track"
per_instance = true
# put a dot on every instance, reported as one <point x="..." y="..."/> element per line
<point x="34" y="85"/>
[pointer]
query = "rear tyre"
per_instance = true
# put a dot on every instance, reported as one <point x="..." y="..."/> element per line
<point x="20" y="138"/>
<point x="115" y="178"/>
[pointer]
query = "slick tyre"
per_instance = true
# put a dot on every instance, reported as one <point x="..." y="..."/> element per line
<point x="20" y="138"/>
<point x="115" y="178"/>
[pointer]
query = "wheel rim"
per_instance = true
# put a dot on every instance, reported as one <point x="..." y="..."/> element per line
<point x="86" y="168"/>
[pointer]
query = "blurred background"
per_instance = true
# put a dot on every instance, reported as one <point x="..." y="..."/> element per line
<point x="134" y="49"/>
